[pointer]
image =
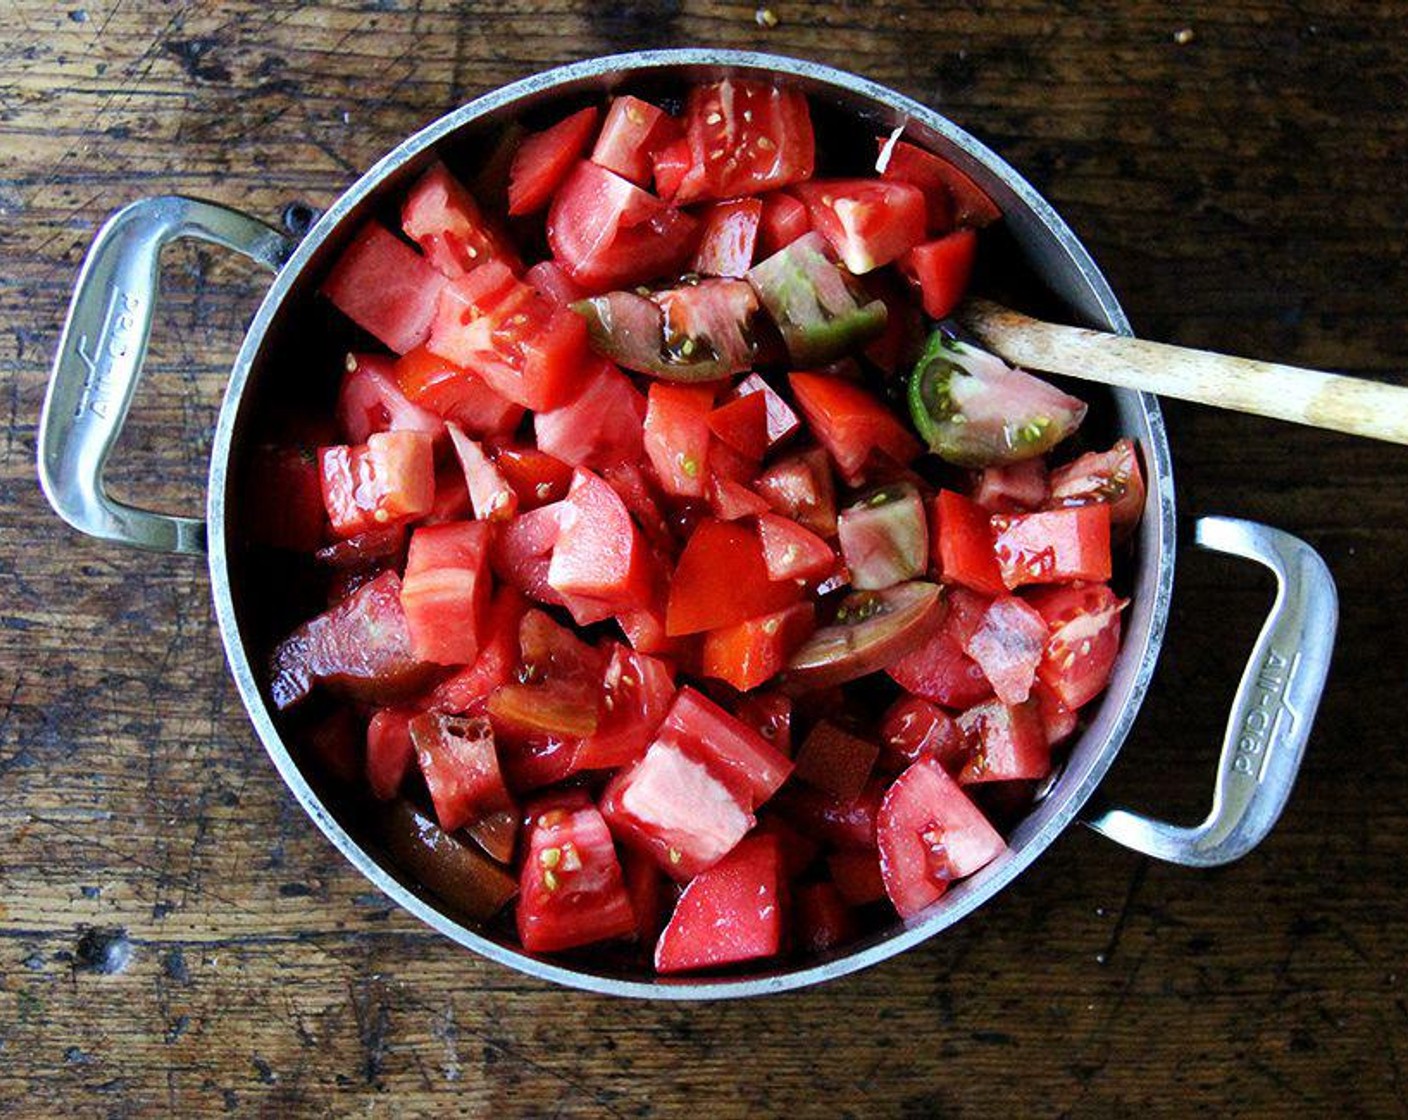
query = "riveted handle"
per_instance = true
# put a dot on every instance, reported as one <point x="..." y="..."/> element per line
<point x="1271" y="715"/>
<point x="100" y="357"/>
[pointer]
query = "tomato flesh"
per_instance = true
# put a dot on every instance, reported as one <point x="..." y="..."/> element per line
<point x="460" y="766"/>
<point x="370" y="400"/>
<point x="389" y="479"/>
<point x="729" y="238"/>
<point x="599" y="551"/>
<point x="941" y="270"/>
<point x="869" y="222"/>
<point x="544" y="159"/>
<point x="1112" y="477"/>
<point x="445" y="591"/>
<point x="851" y="424"/>
<point x="1084" y="641"/>
<point x="442" y="218"/>
<point x="744" y="138"/>
<point x="1007" y="645"/>
<point x="791" y="551"/>
<point x="598" y="427"/>
<point x="963" y="544"/>
<point x="729" y="913"/>
<point x="677" y="436"/>
<point x="390" y="751"/>
<point x="631" y="136"/>
<point x="721" y="579"/>
<point x="451" y="392"/>
<point x="753" y="651"/>
<point x="637" y="690"/>
<point x="385" y="287"/>
<point x="954" y="199"/>
<point x="913" y="727"/>
<point x="1008" y="743"/>
<point x="834" y="760"/>
<point x="1053" y="546"/>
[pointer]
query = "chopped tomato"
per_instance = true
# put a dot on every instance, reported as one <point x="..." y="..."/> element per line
<point x="729" y="238"/>
<point x="521" y="552"/>
<point x="897" y="348"/>
<point x="451" y="392"/>
<point x="784" y="219"/>
<point x="677" y="436"/>
<point x="333" y="741"/>
<point x="963" y="544"/>
<point x="571" y="891"/>
<point x="390" y="751"/>
<point x="441" y="216"/>
<point x="1054" y="546"/>
<point x="834" y="760"/>
<point x="646" y="888"/>
<point x="390" y="478"/>
<point x="769" y="713"/>
<point x="954" y="199"/>
<point x="851" y="424"/>
<point x="526" y="348"/>
<point x="557" y="686"/>
<point x="782" y="422"/>
<point x="884" y="537"/>
<point x="490" y="494"/>
<point x="385" y="287"/>
<point x="721" y="579"/>
<point x="800" y="487"/>
<point x="1112" y="477"/>
<point x="1058" y="721"/>
<point x="912" y="727"/>
<point x="1008" y="742"/>
<point x="1014" y="488"/>
<point x="1007" y="645"/>
<point x="729" y="913"/>
<point x="370" y="400"/>
<point x="599" y="551"/>
<point x="498" y="655"/>
<point x="555" y="282"/>
<point x="793" y="552"/>
<point x="544" y="159"/>
<point x="609" y="233"/>
<point x="732" y="501"/>
<point x="539" y="479"/>
<point x="750" y="652"/>
<point x="532" y="760"/>
<point x="598" y="427"/>
<point x="1084" y="641"/>
<point x="460" y="766"/>
<point x="673" y="807"/>
<point x="631" y="137"/>
<point x="869" y="222"/>
<point x="636" y="694"/>
<point x="857" y="876"/>
<point x="847" y="824"/>
<point x="822" y="919"/>
<point x="445" y="591"/>
<point x="742" y="424"/>
<point x="745" y="137"/>
<point x="641" y="498"/>
<point x="930" y="834"/>
<point x="727" y="745"/>
<point x="669" y="166"/>
<point x="940" y="671"/>
<point x="941" y="270"/>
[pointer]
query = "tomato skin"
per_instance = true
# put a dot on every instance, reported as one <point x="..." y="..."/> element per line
<point x="388" y="479"/>
<point x="769" y="713"/>
<point x="742" y="424"/>
<point x="750" y="652"/>
<point x="544" y="159"/>
<point x="571" y="891"/>
<point x="539" y="479"/>
<point x="669" y="166"/>
<point x="390" y="751"/>
<point x="677" y="436"/>
<point x="1053" y="546"/>
<point x="745" y="138"/>
<point x="555" y="693"/>
<point x="498" y="654"/>
<point x="520" y="552"/>
<point x="941" y="270"/>
<point x="793" y="552"/>
<point x="929" y="833"/>
<point x="954" y="199"/>
<point x="962" y="544"/>
<point x="461" y="767"/>
<point x="445" y="591"/>
<point x="913" y="727"/>
<point x="1085" y="640"/>
<point x="869" y="222"/>
<point x="884" y="537"/>
<point x="851" y="424"/>
<point x="1009" y="743"/>
<point x="1014" y="488"/>
<point x="442" y="217"/>
<point x="370" y="400"/>
<point x="729" y="913"/>
<point x="1057" y="720"/>
<point x="599" y="552"/>
<point x="1008" y="645"/>
<point x="940" y="671"/>
<point x="729" y="238"/>
<point x="608" y="233"/>
<point x="385" y="287"/>
<point x="782" y="422"/>
<point x="555" y="282"/>
<point x="600" y="426"/>
<point x="800" y="487"/>
<point x="637" y="693"/>
<point x="632" y="135"/>
<point x="784" y="219"/>
<point x="335" y="743"/>
<point x="721" y="580"/>
<point x="450" y="392"/>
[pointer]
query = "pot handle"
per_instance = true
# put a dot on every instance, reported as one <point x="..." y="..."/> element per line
<point x="100" y="357"/>
<point x="1271" y="714"/>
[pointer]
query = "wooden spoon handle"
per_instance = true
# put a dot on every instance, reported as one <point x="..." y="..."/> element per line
<point x="1303" y="396"/>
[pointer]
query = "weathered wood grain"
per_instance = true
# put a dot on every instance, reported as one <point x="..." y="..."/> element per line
<point x="176" y="938"/>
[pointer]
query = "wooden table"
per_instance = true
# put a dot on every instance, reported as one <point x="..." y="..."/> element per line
<point x="176" y="937"/>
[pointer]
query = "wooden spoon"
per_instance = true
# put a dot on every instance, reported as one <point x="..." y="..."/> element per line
<point x="1303" y="396"/>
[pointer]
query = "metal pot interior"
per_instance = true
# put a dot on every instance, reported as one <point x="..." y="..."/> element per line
<point x="290" y="364"/>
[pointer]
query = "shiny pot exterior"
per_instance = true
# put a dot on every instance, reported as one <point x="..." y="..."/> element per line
<point x="99" y="363"/>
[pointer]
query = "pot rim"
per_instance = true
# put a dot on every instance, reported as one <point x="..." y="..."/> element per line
<point x="1156" y="543"/>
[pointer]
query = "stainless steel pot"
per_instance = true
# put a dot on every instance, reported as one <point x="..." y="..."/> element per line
<point x="100" y="360"/>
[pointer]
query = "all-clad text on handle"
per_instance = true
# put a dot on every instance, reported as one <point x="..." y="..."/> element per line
<point x="100" y="356"/>
<point x="1271" y="714"/>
